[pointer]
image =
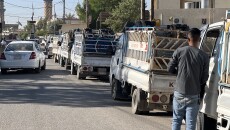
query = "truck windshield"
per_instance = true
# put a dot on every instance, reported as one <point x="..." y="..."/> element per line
<point x="103" y="46"/>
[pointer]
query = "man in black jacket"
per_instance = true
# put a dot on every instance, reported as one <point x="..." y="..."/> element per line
<point x="192" y="68"/>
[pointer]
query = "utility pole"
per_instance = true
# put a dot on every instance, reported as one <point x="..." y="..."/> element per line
<point x="87" y="12"/>
<point x="152" y="10"/>
<point x="142" y="9"/>
<point x="63" y="11"/>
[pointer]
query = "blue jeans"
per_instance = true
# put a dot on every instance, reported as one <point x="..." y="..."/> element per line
<point x="185" y="106"/>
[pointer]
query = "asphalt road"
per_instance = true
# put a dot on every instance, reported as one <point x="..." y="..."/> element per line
<point x="56" y="100"/>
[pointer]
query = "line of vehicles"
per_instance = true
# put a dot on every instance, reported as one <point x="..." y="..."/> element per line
<point x="135" y="62"/>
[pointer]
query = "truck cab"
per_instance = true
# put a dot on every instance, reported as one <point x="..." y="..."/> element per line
<point x="223" y="102"/>
<point x="214" y="44"/>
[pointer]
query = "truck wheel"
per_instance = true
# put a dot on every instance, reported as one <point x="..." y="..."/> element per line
<point x="139" y="104"/>
<point x="62" y="62"/>
<point x="79" y="75"/>
<point x="73" y="69"/>
<point x="55" y="59"/>
<point x="3" y="71"/>
<point x="66" y="63"/>
<point x="116" y="90"/>
<point x="205" y="123"/>
<point x="49" y="56"/>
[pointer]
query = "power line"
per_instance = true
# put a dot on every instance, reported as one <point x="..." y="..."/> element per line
<point x="69" y="9"/>
<point x="13" y="16"/>
<point x="23" y="6"/>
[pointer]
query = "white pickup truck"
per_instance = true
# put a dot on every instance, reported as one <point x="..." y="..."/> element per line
<point x="223" y="102"/>
<point x="66" y="46"/>
<point x="215" y="106"/>
<point x="91" y="54"/>
<point x="139" y="67"/>
<point x="55" y="47"/>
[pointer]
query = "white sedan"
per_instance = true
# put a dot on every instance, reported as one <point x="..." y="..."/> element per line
<point x="22" y="55"/>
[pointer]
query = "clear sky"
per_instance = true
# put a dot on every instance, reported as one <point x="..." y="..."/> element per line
<point x="14" y="13"/>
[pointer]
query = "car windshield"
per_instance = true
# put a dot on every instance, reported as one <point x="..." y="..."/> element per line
<point x="20" y="47"/>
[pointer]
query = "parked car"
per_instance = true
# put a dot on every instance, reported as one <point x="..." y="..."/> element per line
<point x="22" y="55"/>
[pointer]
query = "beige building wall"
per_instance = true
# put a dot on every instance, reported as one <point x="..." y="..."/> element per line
<point x="191" y="17"/>
<point x="168" y="4"/>
<point x="222" y="4"/>
<point x="67" y="27"/>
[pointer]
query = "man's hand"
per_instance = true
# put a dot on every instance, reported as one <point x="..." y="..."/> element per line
<point x="202" y="91"/>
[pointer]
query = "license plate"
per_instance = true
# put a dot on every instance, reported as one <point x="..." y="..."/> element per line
<point x="102" y="71"/>
<point x="17" y="57"/>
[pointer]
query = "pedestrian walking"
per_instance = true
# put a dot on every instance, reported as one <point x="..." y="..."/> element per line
<point x="191" y="66"/>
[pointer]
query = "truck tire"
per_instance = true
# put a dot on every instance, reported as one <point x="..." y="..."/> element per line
<point x="116" y="90"/>
<point x="205" y="123"/>
<point x="79" y="75"/>
<point x="73" y="69"/>
<point x="62" y="62"/>
<point x="49" y="56"/>
<point x="55" y="59"/>
<point x="139" y="104"/>
<point x="66" y="63"/>
<point x="3" y="71"/>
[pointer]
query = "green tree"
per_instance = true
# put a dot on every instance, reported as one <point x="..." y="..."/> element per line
<point x="54" y="26"/>
<point x="23" y="35"/>
<point x="127" y="10"/>
<point x="41" y="24"/>
<point x="41" y="32"/>
<point x="96" y="6"/>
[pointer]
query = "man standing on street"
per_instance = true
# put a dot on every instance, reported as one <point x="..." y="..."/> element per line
<point x="192" y="68"/>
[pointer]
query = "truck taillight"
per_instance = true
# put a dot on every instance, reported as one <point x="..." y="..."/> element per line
<point x="3" y="57"/>
<point x="155" y="98"/>
<point x="85" y="68"/>
<point x="163" y="98"/>
<point x="33" y="55"/>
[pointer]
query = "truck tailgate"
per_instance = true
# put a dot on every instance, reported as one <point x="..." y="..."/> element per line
<point x="163" y="83"/>
<point x="97" y="61"/>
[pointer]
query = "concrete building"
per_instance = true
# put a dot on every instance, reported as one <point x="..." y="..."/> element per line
<point x="195" y="13"/>
<point x="48" y="4"/>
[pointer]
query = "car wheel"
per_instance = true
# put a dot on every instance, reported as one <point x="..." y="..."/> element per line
<point x="44" y="66"/>
<point x="3" y="71"/>
<point x="73" y="69"/>
<point x="139" y="103"/>
<point x="38" y="70"/>
<point x="116" y="90"/>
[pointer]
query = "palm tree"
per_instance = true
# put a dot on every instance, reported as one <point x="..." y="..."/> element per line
<point x="69" y="16"/>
